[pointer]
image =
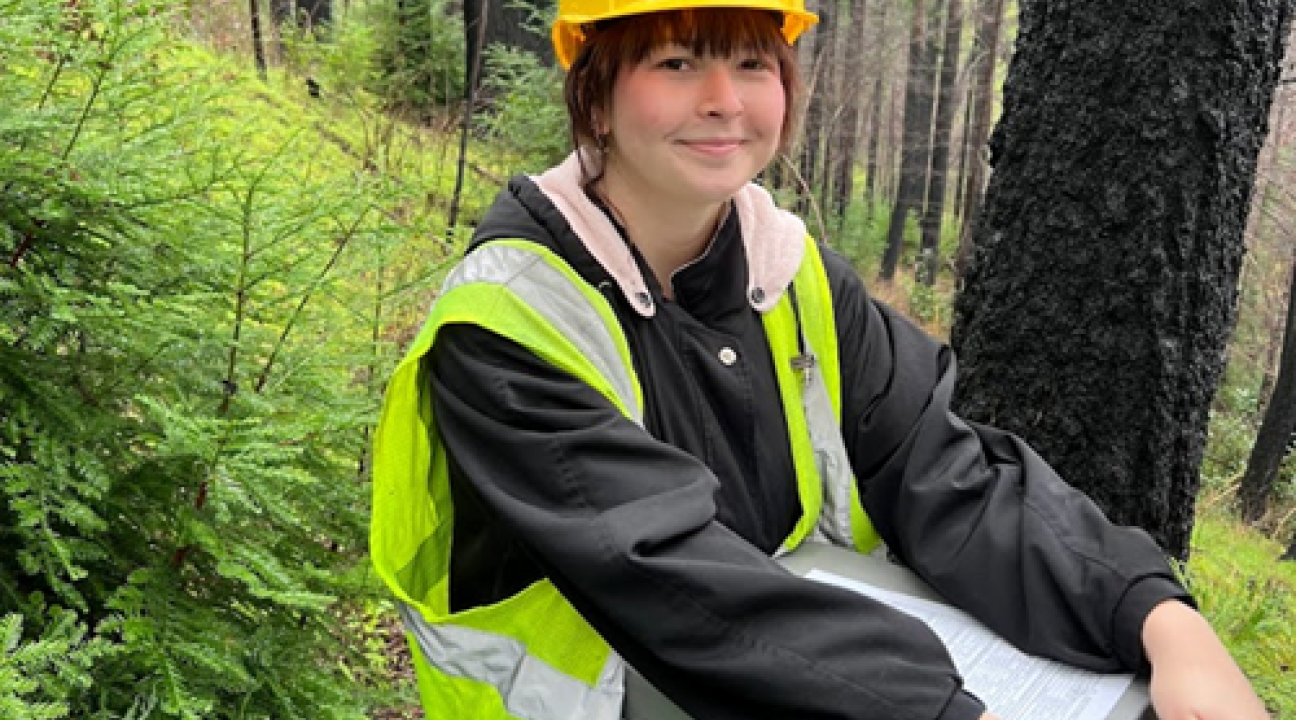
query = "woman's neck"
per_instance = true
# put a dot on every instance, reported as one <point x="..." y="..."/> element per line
<point x="668" y="238"/>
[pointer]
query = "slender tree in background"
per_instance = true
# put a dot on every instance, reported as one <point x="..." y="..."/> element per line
<point x="989" y="24"/>
<point x="819" y="47"/>
<point x="1276" y="429"/>
<point x="947" y="106"/>
<point x="916" y="145"/>
<point x="472" y="77"/>
<point x="845" y="151"/>
<point x="1101" y="289"/>
<point x="875" y="167"/>
<point x="258" y="36"/>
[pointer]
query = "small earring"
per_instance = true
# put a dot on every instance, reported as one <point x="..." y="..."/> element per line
<point x="601" y="142"/>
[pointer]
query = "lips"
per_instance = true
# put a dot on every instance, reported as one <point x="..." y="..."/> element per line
<point x="713" y="146"/>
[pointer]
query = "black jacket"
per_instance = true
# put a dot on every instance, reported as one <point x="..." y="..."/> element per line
<point x="661" y="539"/>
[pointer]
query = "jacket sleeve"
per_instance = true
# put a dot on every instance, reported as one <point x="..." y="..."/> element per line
<point x="975" y="511"/>
<point x="624" y="526"/>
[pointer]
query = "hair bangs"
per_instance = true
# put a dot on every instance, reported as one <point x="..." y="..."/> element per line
<point x="705" y="31"/>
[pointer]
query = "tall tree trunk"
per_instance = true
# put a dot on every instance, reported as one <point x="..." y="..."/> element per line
<point x="878" y="118"/>
<point x="916" y="144"/>
<point x="873" y="153"/>
<point x="845" y="151"/>
<point x="258" y="38"/>
<point x="942" y="139"/>
<point x="989" y="29"/>
<point x="818" y="112"/>
<point x="472" y="73"/>
<point x="960" y="173"/>
<point x="1279" y="423"/>
<point x="1100" y="295"/>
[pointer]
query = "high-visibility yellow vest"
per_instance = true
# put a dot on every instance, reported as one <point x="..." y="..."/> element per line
<point x="531" y="655"/>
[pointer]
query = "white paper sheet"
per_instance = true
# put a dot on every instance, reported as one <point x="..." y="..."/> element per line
<point x="1012" y="684"/>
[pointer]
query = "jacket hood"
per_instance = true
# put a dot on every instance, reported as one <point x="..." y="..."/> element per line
<point x="773" y="239"/>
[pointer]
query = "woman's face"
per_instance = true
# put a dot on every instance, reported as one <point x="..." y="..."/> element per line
<point x="692" y="129"/>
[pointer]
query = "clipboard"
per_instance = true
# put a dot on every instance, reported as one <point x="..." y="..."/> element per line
<point x="645" y="702"/>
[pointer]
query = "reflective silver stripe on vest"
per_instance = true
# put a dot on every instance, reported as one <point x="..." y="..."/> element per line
<point x="830" y="457"/>
<point x="530" y="688"/>
<point x="552" y="294"/>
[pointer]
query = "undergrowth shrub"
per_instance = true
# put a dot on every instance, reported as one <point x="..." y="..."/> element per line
<point x="420" y="57"/>
<point x="198" y="296"/>
<point x="527" y="121"/>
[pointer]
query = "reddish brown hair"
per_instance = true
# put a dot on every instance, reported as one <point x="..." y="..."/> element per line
<point x="614" y="44"/>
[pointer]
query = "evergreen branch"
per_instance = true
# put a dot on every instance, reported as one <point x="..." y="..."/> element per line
<point x="306" y="298"/>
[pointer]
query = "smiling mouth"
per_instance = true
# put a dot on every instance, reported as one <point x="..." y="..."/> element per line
<point x="712" y="147"/>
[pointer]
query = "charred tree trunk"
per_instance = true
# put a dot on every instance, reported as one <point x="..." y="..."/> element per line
<point x="1101" y="291"/>
<point x="258" y="37"/>
<point x="986" y="52"/>
<point x="916" y="145"/>
<point x="942" y="138"/>
<point x="1275" y="435"/>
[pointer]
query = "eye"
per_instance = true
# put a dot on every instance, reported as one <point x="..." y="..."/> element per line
<point x="757" y="62"/>
<point x="674" y="62"/>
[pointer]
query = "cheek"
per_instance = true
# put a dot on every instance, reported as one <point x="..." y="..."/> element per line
<point x="770" y="106"/>
<point x="638" y="106"/>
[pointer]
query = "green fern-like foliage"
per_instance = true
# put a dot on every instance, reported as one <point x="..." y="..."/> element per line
<point x="195" y="301"/>
<point x="38" y="676"/>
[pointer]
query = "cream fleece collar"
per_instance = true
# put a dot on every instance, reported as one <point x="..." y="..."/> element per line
<point x="773" y="239"/>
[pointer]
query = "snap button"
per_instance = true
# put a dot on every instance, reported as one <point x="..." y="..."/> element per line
<point x="728" y="356"/>
<point x="644" y="299"/>
<point x="758" y="295"/>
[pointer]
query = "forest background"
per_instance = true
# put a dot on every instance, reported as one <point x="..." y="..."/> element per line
<point x="221" y="222"/>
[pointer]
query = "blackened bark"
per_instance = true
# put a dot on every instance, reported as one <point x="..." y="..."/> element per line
<point x="916" y="144"/>
<point x="943" y="135"/>
<point x="1102" y="286"/>
<point x="258" y="37"/>
<point x="1275" y="435"/>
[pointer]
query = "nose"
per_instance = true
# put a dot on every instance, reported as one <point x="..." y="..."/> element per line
<point x="720" y="95"/>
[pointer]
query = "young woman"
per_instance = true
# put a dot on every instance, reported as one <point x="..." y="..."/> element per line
<point x="645" y="380"/>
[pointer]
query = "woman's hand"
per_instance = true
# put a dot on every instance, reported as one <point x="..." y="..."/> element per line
<point x="1193" y="675"/>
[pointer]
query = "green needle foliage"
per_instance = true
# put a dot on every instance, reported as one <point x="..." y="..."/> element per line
<point x="194" y="307"/>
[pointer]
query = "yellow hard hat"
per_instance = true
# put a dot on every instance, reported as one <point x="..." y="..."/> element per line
<point x="573" y="15"/>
